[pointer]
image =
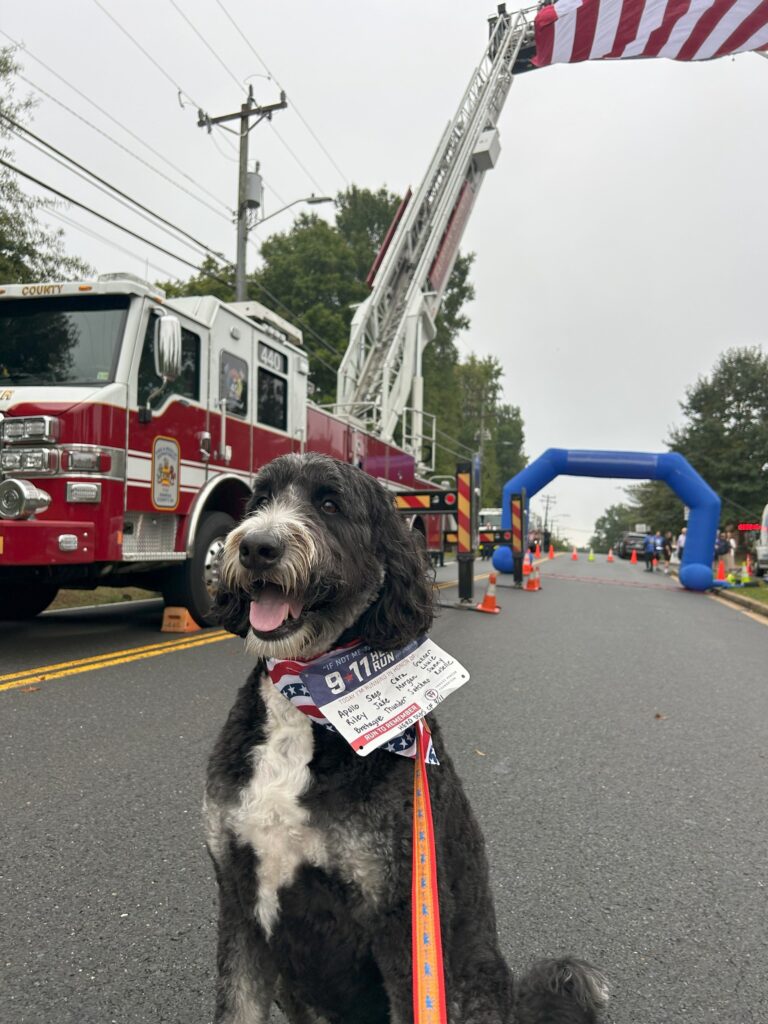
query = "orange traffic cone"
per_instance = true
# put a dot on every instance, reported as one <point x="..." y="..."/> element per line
<point x="610" y="555"/>
<point x="532" y="583"/>
<point x="537" y="552"/>
<point x="721" y="570"/>
<point x="488" y="604"/>
<point x="551" y="550"/>
<point x="526" y="565"/>
<point x="575" y="555"/>
<point x="656" y="565"/>
<point x="633" y="559"/>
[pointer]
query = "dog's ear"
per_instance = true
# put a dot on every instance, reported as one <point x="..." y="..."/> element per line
<point x="404" y="607"/>
<point x="231" y="611"/>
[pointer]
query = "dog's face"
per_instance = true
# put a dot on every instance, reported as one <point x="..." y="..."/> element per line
<point x="320" y="550"/>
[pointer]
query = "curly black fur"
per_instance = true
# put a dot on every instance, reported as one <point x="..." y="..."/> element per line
<point x="312" y="843"/>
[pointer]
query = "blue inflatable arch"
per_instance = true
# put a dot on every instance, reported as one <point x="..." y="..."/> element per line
<point x="671" y="467"/>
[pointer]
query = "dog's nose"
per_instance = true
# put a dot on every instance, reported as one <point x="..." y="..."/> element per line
<point x="260" y="550"/>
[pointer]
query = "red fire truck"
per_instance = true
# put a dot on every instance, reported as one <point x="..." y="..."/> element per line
<point x="130" y="431"/>
<point x="131" y="427"/>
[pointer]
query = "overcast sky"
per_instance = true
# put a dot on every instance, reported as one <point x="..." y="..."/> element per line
<point x="621" y="240"/>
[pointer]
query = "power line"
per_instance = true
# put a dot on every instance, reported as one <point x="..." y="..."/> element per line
<point x="181" y="93"/>
<point x="19" y="128"/>
<point x="298" y="112"/>
<point x="49" y="212"/>
<point x="106" y="113"/>
<point x="175" y="256"/>
<point x="308" y="173"/>
<point x="205" y="43"/>
<point x="125" y="149"/>
<point x="113" y="223"/>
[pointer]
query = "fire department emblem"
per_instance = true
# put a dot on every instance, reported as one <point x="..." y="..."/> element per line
<point x="165" y="473"/>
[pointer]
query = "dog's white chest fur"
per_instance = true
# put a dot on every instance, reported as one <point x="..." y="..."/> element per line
<point x="270" y="817"/>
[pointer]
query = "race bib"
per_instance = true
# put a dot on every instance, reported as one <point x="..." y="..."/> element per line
<point x="371" y="697"/>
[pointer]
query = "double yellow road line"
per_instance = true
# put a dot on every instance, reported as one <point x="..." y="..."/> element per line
<point x="44" y="673"/>
<point x="30" y="676"/>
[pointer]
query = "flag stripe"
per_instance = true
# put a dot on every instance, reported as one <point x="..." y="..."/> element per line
<point x="745" y="30"/>
<point x="629" y="23"/>
<point x="575" y="30"/>
<point x="608" y="23"/>
<point x="586" y="23"/>
<point x="676" y="9"/>
<point x="703" y="28"/>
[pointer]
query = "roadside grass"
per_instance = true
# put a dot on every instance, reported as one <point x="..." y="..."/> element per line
<point x="756" y="593"/>
<point x="101" y="595"/>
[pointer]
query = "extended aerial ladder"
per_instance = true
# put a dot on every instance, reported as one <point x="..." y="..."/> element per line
<point x="391" y="328"/>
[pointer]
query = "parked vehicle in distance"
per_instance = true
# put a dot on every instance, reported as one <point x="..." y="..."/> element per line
<point x="629" y="542"/>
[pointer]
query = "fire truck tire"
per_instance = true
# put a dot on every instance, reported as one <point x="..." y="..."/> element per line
<point x="193" y="584"/>
<point x="26" y="602"/>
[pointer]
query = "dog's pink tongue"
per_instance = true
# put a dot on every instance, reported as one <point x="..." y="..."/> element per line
<point x="269" y="612"/>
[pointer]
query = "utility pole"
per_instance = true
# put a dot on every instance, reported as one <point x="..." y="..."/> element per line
<point x="246" y="199"/>
<point x="548" y="500"/>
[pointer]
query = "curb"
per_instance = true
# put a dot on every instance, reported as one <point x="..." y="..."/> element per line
<point x="734" y="598"/>
<point x="743" y="600"/>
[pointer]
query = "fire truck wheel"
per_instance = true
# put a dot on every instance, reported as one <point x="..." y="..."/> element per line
<point x="26" y="602"/>
<point x="193" y="584"/>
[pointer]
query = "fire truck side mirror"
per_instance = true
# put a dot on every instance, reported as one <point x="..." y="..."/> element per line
<point x="168" y="347"/>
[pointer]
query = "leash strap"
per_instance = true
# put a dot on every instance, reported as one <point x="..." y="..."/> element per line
<point x="427" y="950"/>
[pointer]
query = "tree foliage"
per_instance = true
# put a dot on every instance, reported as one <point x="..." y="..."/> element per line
<point x="28" y="251"/>
<point x="616" y="520"/>
<point x="314" y="275"/>
<point x="725" y="439"/>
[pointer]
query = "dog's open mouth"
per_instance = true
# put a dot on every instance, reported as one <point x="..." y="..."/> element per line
<point x="273" y="613"/>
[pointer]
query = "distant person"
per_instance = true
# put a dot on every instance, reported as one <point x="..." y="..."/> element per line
<point x="658" y="544"/>
<point x="722" y="547"/>
<point x="681" y="543"/>
<point x="730" y="555"/>
<point x="649" y="550"/>
<point x="669" y="544"/>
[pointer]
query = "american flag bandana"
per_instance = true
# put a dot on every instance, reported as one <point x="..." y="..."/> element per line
<point x="286" y="678"/>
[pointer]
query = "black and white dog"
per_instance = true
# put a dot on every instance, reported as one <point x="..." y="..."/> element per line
<point x="311" y="842"/>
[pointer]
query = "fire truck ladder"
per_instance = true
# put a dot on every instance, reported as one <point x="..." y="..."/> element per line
<point x="391" y="328"/>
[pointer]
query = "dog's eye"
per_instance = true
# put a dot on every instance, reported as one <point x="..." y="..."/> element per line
<point x="259" y="502"/>
<point x="330" y="508"/>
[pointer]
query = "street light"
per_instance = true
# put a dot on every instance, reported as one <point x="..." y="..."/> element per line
<point x="313" y="200"/>
<point x="254" y="197"/>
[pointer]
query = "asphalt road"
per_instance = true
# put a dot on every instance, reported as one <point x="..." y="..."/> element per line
<point x="612" y="738"/>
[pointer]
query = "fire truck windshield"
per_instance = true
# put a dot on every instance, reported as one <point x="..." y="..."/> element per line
<point x="61" y="340"/>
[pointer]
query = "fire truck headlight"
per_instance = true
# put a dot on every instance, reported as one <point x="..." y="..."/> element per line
<point x="19" y="499"/>
<point x="14" y="430"/>
<point x="10" y="461"/>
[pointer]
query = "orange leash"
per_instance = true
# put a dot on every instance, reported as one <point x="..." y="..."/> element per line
<point x="428" y="981"/>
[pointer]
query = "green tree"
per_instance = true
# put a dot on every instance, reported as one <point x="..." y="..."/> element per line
<point x="213" y="279"/>
<point x="308" y="276"/>
<point x="489" y="426"/>
<point x="362" y="219"/>
<point x="314" y="275"/>
<point x="616" y="519"/>
<point x="725" y="437"/>
<point x="28" y="251"/>
<point x="439" y="368"/>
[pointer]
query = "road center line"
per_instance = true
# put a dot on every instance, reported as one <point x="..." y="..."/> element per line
<point x="45" y="673"/>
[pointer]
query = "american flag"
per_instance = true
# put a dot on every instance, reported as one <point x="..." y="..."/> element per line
<point x="574" y="30"/>
<point x="287" y="681"/>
